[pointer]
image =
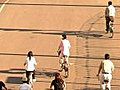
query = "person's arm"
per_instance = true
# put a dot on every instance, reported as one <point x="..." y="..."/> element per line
<point x="51" y="86"/>
<point x="59" y="47"/>
<point x="25" y="62"/>
<point x="35" y="63"/>
<point x="113" y="67"/>
<point x="5" y="88"/>
<point x="69" y="46"/>
<point x="100" y="67"/>
<point x="64" y="86"/>
<point x="3" y="84"/>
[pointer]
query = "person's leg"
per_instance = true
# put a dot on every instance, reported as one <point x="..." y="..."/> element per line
<point x="27" y="76"/>
<point x="66" y="72"/>
<point x="67" y="59"/>
<point x="61" y="62"/>
<point x="102" y="84"/>
<point x="111" y="26"/>
<point x="108" y="84"/>
<point x="33" y="76"/>
<point x="107" y="24"/>
<point x="66" y="69"/>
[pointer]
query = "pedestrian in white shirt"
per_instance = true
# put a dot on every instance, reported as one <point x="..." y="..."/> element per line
<point x="64" y="52"/>
<point x="25" y="85"/>
<point x="30" y="65"/>
<point x="106" y="68"/>
<point x="110" y="15"/>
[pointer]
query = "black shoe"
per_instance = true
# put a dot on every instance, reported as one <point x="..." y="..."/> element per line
<point x="111" y="37"/>
<point x="66" y="76"/>
<point x="60" y="70"/>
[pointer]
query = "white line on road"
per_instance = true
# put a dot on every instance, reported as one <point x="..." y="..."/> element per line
<point x="1" y="8"/>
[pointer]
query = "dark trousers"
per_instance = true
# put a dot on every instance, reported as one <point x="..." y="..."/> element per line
<point x="108" y="20"/>
<point x="28" y="74"/>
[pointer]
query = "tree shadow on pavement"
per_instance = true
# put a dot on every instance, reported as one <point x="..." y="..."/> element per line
<point x="46" y="72"/>
<point x="14" y="80"/>
<point x="13" y="71"/>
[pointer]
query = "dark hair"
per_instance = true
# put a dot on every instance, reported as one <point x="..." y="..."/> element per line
<point x="109" y="2"/>
<point x="107" y="56"/>
<point x="58" y="77"/>
<point x="30" y="54"/>
<point x="64" y="36"/>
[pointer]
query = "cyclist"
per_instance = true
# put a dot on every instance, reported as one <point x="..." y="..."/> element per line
<point x="106" y="67"/>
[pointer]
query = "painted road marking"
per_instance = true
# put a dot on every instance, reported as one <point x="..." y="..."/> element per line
<point x="1" y="8"/>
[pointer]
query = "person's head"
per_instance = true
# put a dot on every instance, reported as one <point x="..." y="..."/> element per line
<point x="57" y="75"/>
<point x="64" y="36"/>
<point x="30" y="53"/>
<point x="107" y="56"/>
<point x="109" y="3"/>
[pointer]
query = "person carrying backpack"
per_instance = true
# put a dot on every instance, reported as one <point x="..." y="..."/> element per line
<point x="58" y="83"/>
<point x="106" y="68"/>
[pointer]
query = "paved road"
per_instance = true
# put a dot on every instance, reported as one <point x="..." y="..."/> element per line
<point x="37" y="25"/>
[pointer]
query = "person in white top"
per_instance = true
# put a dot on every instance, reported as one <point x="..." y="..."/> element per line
<point x="30" y="65"/>
<point x="110" y="15"/>
<point x="106" y="68"/>
<point x="25" y="85"/>
<point x="64" y="53"/>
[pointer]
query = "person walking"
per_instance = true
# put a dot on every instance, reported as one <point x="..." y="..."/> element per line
<point x="58" y="83"/>
<point x="2" y="85"/>
<point x="109" y="16"/>
<point x="30" y="65"/>
<point x="25" y="85"/>
<point x="64" y="53"/>
<point x="106" y="68"/>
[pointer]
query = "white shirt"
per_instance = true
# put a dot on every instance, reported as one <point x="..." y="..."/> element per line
<point x="111" y="10"/>
<point x="30" y="64"/>
<point x="107" y="66"/>
<point x="25" y="86"/>
<point x="65" y="47"/>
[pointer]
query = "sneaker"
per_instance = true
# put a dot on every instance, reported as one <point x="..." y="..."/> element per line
<point x="60" y="70"/>
<point x="111" y="37"/>
<point x="66" y="76"/>
<point x="34" y="80"/>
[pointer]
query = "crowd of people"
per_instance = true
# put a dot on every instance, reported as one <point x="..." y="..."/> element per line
<point x="104" y="72"/>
